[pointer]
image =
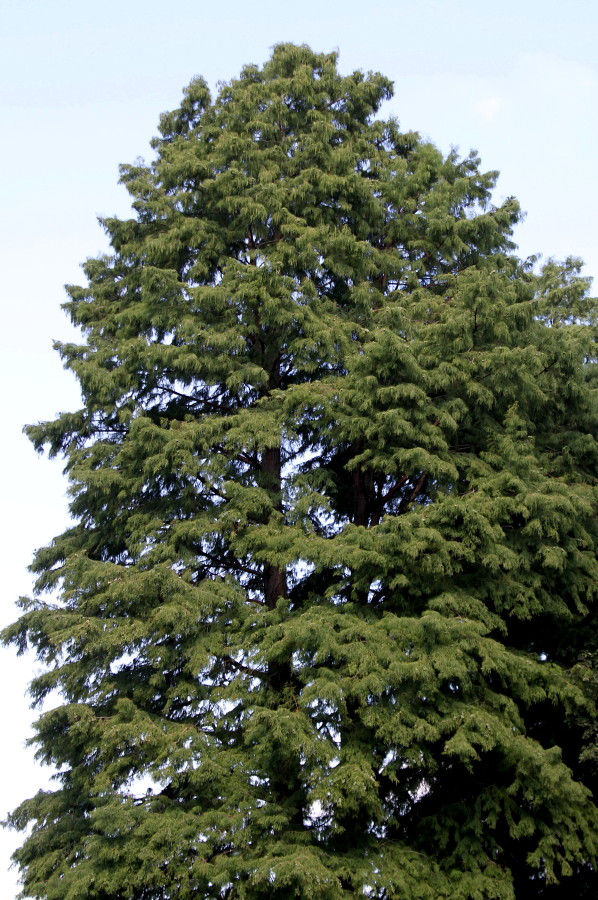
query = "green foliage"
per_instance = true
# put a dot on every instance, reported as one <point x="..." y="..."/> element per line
<point x="323" y="624"/>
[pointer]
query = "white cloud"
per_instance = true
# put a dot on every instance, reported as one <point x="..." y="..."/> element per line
<point x="488" y="108"/>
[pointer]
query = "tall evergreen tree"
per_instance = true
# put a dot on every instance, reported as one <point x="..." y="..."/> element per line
<point x="322" y="626"/>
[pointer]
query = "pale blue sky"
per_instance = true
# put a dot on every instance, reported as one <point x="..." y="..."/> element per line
<point x="81" y="88"/>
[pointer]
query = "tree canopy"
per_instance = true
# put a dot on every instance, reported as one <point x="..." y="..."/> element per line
<point x="323" y="624"/>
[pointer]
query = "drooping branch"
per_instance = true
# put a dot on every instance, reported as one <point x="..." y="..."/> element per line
<point x="417" y="490"/>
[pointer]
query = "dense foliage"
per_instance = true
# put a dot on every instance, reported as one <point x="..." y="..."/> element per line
<point x="322" y="626"/>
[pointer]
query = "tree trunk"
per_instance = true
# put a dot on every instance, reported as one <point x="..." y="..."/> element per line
<point x="275" y="578"/>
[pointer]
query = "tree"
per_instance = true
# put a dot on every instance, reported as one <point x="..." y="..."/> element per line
<point x="322" y="625"/>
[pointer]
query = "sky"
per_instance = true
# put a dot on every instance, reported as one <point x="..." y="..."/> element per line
<point x="81" y="87"/>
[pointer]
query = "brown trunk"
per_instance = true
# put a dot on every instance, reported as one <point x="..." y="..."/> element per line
<point x="363" y="512"/>
<point x="275" y="579"/>
<point x="275" y="585"/>
<point x="363" y="496"/>
<point x="285" y="779"/>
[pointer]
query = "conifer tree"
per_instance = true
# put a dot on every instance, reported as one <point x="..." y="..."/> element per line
<point x="322" y="626"/>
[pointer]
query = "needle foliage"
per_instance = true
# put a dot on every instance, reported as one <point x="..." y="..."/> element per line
<point x="322" y="626"/>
